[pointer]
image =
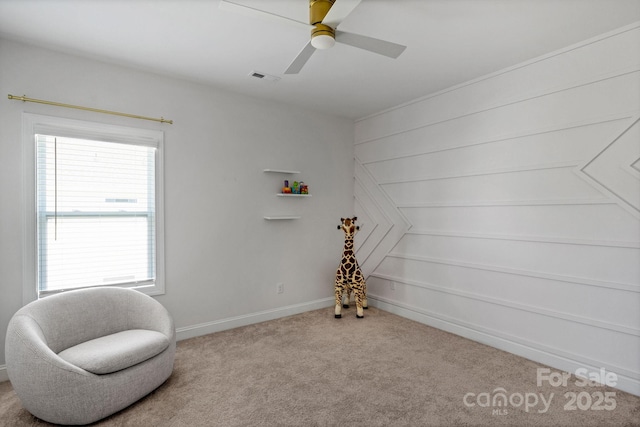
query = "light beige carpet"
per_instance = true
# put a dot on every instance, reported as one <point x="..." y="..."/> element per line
<point x="383" y="370"/>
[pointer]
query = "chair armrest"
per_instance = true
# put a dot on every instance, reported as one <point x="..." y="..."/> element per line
<point x="147" y="313"/>
<point x="30" y="361"/>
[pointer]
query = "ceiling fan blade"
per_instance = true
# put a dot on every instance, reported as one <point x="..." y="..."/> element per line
<point x="339" y="11"/>
<point x="261" y="14"/>
<point x="301" y="59"/>
<point x="381" y="47"/>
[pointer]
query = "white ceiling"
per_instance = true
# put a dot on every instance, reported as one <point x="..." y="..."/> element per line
<point x="448" y="42"/>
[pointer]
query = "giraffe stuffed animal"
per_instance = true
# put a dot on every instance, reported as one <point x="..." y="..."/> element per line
<point x="349" y="277"/>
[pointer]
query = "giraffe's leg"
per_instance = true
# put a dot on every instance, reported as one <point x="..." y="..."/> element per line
<point x="357" y="289"/>
<point x="365" y="305"/>
<point x="347" y="297"/>
<point x="339" y="287"/>
<point x="359" y="308"/>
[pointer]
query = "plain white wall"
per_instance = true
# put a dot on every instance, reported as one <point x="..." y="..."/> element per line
<point x="223" y="260"/>
<point x="507" y="209"/>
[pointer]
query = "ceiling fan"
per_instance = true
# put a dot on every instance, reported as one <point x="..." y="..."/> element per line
<point x="324" y="18"/>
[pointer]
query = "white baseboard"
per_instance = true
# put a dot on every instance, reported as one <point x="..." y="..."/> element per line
<point x="3" y="373"/>
<point x="251" y="318"/>
<point x="527" y="350"/>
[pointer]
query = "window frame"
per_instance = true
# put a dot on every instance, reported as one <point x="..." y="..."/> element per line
<point x="33" y="124"/>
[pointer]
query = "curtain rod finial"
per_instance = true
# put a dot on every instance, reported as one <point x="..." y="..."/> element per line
<point x="22" y="98"/>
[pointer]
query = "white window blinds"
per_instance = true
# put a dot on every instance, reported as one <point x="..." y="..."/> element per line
<point x="95" y="213"/>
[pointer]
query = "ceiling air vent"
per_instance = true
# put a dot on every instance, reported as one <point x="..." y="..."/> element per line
<point x="264" y="76"/>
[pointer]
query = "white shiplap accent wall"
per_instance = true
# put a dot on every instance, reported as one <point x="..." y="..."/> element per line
<point x="507" y="209"/>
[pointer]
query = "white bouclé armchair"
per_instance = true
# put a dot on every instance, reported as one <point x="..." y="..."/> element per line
<point x="79" y="356"/>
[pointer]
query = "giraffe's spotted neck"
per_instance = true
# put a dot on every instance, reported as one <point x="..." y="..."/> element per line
<point x="348" y="245"/>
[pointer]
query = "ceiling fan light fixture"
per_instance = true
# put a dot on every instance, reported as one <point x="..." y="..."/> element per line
<point x="323" y="41"/>
<point x="323" y="36"/>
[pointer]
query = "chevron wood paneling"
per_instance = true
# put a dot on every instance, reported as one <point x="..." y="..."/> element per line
<point x="387" y="224"/>
<point x="612" y="169"/>
<point x="507" y="209"/>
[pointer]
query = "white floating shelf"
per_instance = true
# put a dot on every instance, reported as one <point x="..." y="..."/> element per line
<point x="280" y="218"/>
<point x="293" y="195"/>
<point x="279" y="171"/>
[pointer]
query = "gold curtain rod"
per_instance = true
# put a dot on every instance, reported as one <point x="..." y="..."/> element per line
<point x="95" y="110"/>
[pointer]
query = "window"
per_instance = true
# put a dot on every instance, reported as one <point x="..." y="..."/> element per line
<point x="95" y="204"/>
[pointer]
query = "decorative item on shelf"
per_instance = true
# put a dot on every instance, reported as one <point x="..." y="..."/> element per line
<point x="297" y="188"/>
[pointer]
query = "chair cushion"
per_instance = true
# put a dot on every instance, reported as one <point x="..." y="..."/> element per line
<point x="117" y="351"/>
